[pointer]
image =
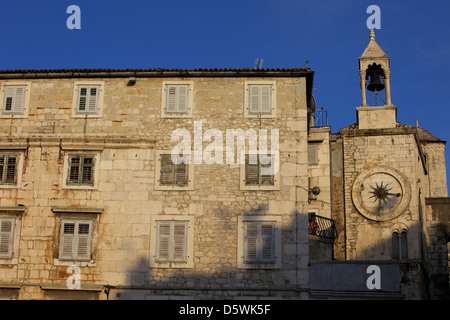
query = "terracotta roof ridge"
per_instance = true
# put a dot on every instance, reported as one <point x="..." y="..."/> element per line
<point x="70" y="70"/>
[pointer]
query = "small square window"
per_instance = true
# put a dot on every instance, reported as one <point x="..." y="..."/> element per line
<point x="14" y="97"/>
<point x="173" y="176"/>
<point x="11" y="164"/>
<point x="260" y="172"/>
<point x="259" y="242"/>
<point x="75" y="240"/>
<point x="88" y="99"/>
<point x="177" y="99"/>
<point x="14" y="102"/>
<point x="172" y="241"/>
<point x="260" y="99"/>
<point x="8" y="169"/>
<point x="81" y="171"/>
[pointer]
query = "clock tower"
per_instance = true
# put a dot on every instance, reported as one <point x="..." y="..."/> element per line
<point x="384" y="173"/>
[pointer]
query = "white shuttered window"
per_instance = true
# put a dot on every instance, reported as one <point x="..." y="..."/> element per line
<point x="171" y="241"/>
<point x="177" y="98"/>
<point x="259" y="242"/>
<point x="88" y="99"/>
<point x="14" y="99"/>
<point x="313" y="153"/>
<point x="260" y="99"/>
<point x="6" y="237"/>
<point x="75" y="240"/>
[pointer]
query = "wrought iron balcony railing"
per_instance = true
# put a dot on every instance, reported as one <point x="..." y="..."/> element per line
<point x="321" y="226"/>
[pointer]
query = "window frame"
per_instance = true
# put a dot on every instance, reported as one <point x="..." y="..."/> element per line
<point x="26" y="100"/>
<point x="68" y="214"/>
<point x="173" y="187"/>
<point x="15" y="214"/>
<point x="242" y="261"/>
<point x="313" y="153"/>
<point x="18" y="169"/>
<point x="154" y="260"/>
<point x="189" y="102"/>
<point x="243" y="171"/>
<point x="78" y="86"/>
<point x="10" y="252"/>
<point x="67" y="168"/>
<point x="247" y="99"/>
<point x="75" y="257"/>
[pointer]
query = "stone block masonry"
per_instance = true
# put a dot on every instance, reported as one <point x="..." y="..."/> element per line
<point x="122" y="205"/>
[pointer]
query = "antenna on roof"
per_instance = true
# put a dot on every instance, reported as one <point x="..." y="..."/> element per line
<point x="307" y="62"/>
<point x="258" y="63"/>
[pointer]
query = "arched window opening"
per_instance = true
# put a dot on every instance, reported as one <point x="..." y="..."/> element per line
<point x="400" y="245"/>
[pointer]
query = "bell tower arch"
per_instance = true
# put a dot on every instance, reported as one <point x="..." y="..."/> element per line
<point x="374" y="71"/>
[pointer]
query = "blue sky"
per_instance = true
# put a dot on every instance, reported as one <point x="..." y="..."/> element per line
<point x="232" y="34"/>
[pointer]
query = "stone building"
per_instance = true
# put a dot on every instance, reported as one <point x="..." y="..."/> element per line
<point x="96" y="203"/>
<point x="389" y="202"/>
<point x="89" y="190"/>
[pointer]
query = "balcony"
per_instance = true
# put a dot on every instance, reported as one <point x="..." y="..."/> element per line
<point x="321" y="226"/>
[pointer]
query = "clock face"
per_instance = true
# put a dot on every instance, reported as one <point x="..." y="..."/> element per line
<point x="381" y="193"/>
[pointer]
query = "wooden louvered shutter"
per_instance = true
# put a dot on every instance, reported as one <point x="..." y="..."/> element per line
<point x="6" y="237"/>
<point x="171" y="241"/>
<point x="92" y="104"/>
<point x="179" y="241"/>
<point x="181" y="174"/>
<point x="251" y="242"/>
<point x="67" y="239"/>
<point x="177" y="98"/>
<point x="8" y="169"/>
<point x="82" y="99"/>
<point x="87" y="170"/>
<point x="14" y="99"/>
<point x="2" y="167"/>
<point x="163" y="241"/>
<point x="83" y="241"/>
<point x="313" y="156"/>
<point x="182" y="103"/>
<point x="88" y="97"/>
<point x="265" y="98"/>
<point x="81" y="170"/>
<point x="171" y="99"/>
<point x="166" y="176"/>
<point x="11" y="169"/>
<point x="267" y="238"/>
<point x="267" y="171"/>
<point x="259" y="242"/>
<point x="260" y="99"/>
<point x="253" y="106"/>
<point x="74" y="169"/>
<point x="251" y="171"/>
<point x="75" y="240"/>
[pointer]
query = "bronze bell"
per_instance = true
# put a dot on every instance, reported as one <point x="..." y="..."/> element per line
<point x="375" y="83"/>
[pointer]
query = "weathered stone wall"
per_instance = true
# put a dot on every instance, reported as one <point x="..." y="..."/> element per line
<point x="367" y="239"/>
<point x="319" y="173"/>
<point x="437" y="176"/>
<point x="437" y="238"/>
<point x="126" y="138"/>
